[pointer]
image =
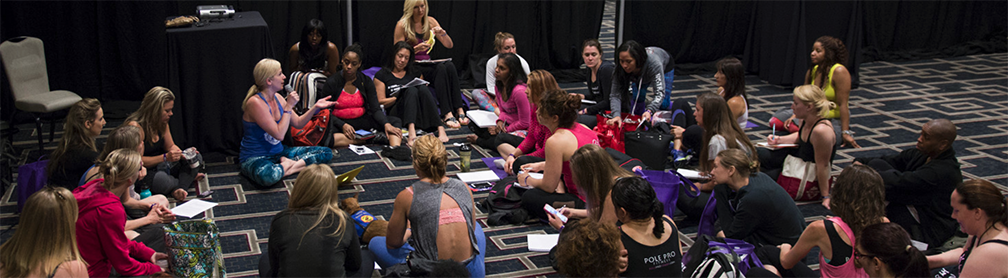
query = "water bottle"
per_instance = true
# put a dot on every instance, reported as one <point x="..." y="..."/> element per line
<point x="145" y="193"/>
<point x="464" y="152"/>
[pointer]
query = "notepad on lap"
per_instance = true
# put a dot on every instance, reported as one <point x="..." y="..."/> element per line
<point x="542" y="243"/>
<point x="192" y="208"/>
<point x="482" y="118"/>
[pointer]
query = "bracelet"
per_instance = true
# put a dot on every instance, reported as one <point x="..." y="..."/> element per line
<point x="511" y="155"/>
<point x="526" y="181"/>
<point x="164" y="157"/>
<point x="848" y="132"/>
<point x="825" y="197"/>
<point x="561" y="228"/>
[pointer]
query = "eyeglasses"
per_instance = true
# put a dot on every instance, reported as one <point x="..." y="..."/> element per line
<point x="859" y="255"/>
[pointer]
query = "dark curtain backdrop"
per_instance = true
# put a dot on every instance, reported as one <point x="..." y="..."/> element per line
<point x="548" y="33"/>
<point x="774" y="38"/>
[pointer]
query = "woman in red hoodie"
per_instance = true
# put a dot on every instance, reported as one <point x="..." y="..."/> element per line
<point x="101" y="236"/>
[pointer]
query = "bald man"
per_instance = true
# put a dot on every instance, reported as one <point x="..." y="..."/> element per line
<point x="919" y="182"/>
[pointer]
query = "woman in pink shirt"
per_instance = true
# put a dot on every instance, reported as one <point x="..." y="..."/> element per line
<point x="514" y="115"/>
<point x="531" y="148"/>
<point x="557" y="112"/>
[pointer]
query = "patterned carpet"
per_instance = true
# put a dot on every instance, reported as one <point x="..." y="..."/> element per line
<point x="894" y="100"/>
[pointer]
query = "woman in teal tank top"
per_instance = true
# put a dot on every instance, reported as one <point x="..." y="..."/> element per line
<point x="829" y="74"/>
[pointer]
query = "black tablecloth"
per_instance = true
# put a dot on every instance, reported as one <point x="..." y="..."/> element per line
<point x="210" y="70"/>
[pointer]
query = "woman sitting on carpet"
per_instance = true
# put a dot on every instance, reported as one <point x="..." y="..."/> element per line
<point x="439" y="210"/>
<point x="100" y="234"/>
<point x="514" y="114"/>
<point x="885" y="250"/>
<point x="414" y="104"/>
<point x="750" y="205"/>
<point x="539" y="82"/>
<point x="595" y="172"/>
<point x="356" y="105"/>
<point x="314" y="52"/>
<point x="44" y="243"/>
<point x="504" y="42"/>
<point x="815" y="139"/>
<point x="313" y="237"/>
<point x="599" y="81"/>
<point x="141" y="213"/>
<point x="557" y="112"/>
<point x="982" y="212"/>
<point x="420" y="30"/>
<point x="166" y="174"/>
<point x="647" y="232"/>
<point x="266" y="119"/>
<point x="829" y="74"/>
<point x="858" y="202"/>
<point x="589" y="249"/>
<point x="76" y="150"/>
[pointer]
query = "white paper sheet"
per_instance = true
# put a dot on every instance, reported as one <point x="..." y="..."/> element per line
<point x="482" y="118"/>
<point x="361" y="150"/>
<point x="192" y="208"/>
<point x="774" y="147"/>
<point x="691" y="174"/>
<point x="588" y="101"/>
<point x="542" y="243"/>
<point x="478" y="176"/>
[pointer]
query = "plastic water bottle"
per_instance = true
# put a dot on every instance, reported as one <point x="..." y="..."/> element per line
<point x="464" y="154"/>
<point x="145" y="193"/>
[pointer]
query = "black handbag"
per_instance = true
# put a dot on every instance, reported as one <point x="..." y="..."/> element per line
<point x="651" y="147"/>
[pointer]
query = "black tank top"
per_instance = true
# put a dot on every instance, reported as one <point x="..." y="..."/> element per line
<point x="841" y="250"/>
<point x="663" y="260"/>
<point x="806" y="151"/>
<point x="973" y="245"/>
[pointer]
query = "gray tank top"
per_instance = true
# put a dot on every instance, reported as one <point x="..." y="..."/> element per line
<point x="425" y="214"/>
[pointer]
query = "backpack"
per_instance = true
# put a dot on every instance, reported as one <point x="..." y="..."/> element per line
<point x="313" y="133"/>
<point x="31" y="178"/>
<point x="719" y="257"/>
<point x="505" y="196"/>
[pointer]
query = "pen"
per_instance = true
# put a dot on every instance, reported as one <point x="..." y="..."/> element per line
<point x="772" y="135"/>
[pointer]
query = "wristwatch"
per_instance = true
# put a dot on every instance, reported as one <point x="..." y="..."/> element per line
<point x="848" y="132"/>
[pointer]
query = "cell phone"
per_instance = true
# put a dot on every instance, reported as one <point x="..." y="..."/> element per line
<point x="481" y="186"/>
<point x="549" y="209"/>
<point x="204" y="194"/>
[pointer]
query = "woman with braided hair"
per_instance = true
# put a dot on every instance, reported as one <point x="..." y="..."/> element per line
<point x="649" y="236"/>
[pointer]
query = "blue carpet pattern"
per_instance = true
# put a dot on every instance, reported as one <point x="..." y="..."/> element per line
<point x="894" y="100"/>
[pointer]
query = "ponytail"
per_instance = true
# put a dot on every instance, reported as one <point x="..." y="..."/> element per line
<point x="657" y="211"/>
<point x="119" y="167"/>
<point x="916" y="264"/>
<point x="263" y="70"/>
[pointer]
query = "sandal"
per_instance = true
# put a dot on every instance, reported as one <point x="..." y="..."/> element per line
<point x="451" y="122"/>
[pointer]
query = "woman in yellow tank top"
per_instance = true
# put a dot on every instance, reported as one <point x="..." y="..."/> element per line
<point x="829" y="74"/>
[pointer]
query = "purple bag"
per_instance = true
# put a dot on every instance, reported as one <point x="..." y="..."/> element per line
<point x="31" y="178"/>
<point x="745" y="251"/>
<point x="666" y="185"/>
<point x="708" y="218"/>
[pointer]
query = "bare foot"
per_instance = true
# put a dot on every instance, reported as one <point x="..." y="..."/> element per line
<point x="471" y="138"/>
<point x="443" y="137"/>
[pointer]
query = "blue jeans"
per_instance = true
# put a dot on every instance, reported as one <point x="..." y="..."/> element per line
<point x="266" y="170"/>
<point x="386" y="257"/>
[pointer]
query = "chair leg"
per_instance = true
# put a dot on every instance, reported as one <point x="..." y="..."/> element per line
<point x="38" y="127"/>
<point x="52" y="129"/>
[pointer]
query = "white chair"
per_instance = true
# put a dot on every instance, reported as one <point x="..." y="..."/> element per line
<point x="24" y="60"/>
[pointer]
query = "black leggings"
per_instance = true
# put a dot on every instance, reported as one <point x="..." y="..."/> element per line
<point x="534" y="199"/>
<point x="770" y="255"/>
<point x="446" y="85"/>
<point x="415" y="105"/>
<point x="490" y="142"/>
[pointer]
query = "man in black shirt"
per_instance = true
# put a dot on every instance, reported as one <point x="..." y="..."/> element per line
<point x="919" y="182"/>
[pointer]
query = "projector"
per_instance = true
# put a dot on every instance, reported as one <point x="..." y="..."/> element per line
<point x="215" y="11"/>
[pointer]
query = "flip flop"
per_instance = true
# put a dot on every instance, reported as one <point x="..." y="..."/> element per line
<point x="451" y="122"/>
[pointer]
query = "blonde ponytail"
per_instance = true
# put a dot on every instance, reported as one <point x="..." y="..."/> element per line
<point x="119" y="167"/>
<point x="264" y="69"/>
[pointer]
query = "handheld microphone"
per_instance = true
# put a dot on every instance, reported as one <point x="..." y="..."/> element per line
<point x="288" y="88"/>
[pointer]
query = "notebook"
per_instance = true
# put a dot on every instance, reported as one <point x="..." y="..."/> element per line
<point x="482" y="118"/>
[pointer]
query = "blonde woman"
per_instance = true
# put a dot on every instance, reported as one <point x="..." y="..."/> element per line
<point x="816" y="138"/>
<point x="420" y="31"/>
<point x="100" y="234"/>
<point x="313" y="237"/>
<point x="44" y="248"/>
<point x="138" y="210"/>
<point x="267" y="117"/>
<point x="76" y="150"/>
<point x="439" y="210"/>
<point x="167" y="175"/>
